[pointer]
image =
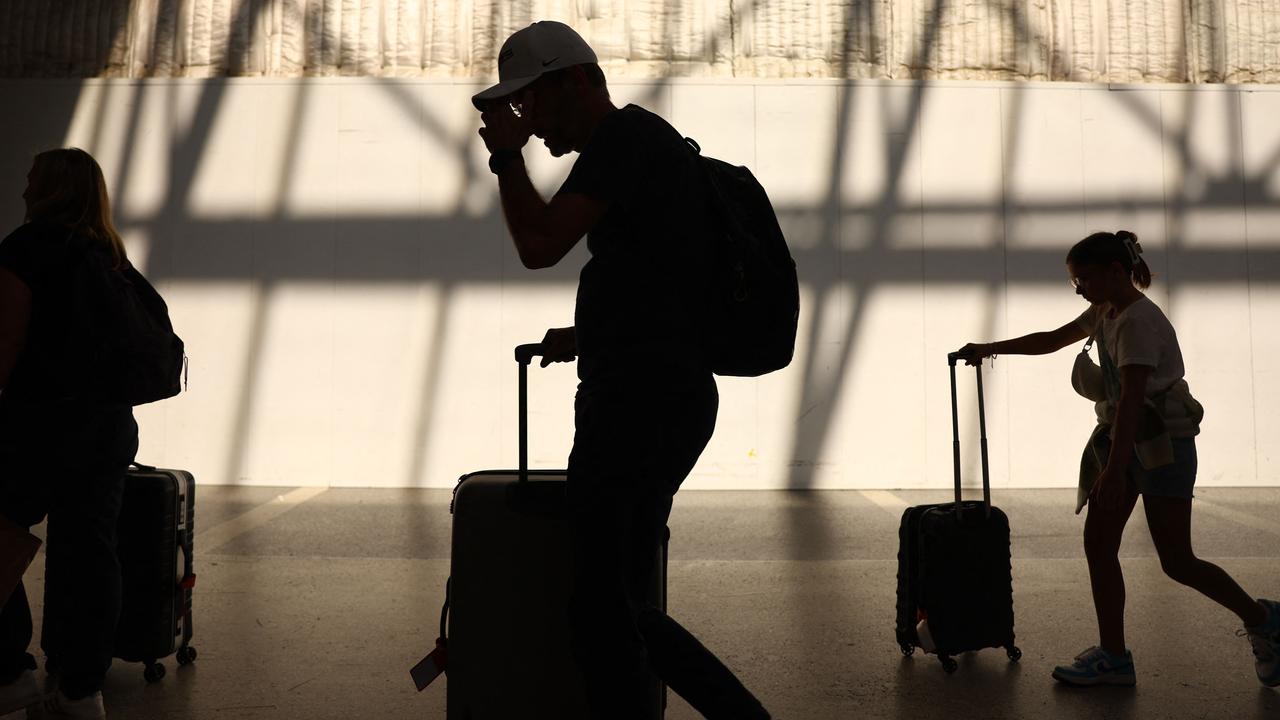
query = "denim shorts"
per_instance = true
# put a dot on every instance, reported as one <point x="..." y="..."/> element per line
<point x="1177" y="479"/>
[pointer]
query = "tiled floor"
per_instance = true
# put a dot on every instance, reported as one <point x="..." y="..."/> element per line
<point x="316" y="607"/>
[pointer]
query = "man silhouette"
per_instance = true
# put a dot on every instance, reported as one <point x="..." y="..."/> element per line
<point x="646" y="402"/>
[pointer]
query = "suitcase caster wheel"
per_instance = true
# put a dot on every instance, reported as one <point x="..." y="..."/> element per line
<point x="949" y="665"/>
<point x="187" y="655"/>
<point x="1014" y="654"/>
<point x="154" y="672"/>
<point x="907" y="650"/>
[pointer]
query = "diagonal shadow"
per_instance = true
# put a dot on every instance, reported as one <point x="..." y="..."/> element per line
<point x="820" y="385"/>
<point x="811" y="532"/>
<point x="185" y="157"/>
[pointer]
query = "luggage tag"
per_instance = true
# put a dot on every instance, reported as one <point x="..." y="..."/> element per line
<point x="431" y="667"/>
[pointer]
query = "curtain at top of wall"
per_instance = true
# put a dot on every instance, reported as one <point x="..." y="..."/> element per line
<point x="1084" y="40"/>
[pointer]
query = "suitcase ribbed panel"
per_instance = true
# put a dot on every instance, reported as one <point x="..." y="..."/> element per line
<point x="959" y="574"/>
<point x="966" y="580"/>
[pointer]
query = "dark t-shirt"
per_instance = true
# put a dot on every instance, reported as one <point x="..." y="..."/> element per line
<point x="39" y="255"/>
<point x="642" y="297"/>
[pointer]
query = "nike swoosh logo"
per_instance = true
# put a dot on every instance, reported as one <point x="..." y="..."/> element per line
<point x="550" y="61"/>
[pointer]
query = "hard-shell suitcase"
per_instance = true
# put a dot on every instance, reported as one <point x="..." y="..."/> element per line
<point x="955" y="576"/>
<point x="506" y="620"/>
<point x="154" y="545"/>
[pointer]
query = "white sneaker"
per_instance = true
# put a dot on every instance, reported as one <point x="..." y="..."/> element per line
<point x="1096" y="666"/>
<point x="22" y="692"/>
<point x="57" y="706"/>
<point x="1265" y="640"/>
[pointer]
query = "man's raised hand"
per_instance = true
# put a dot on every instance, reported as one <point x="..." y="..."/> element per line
<point x="504" y="130"/>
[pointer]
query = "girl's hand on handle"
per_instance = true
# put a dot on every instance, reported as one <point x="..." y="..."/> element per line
<point x="973" y="353"/>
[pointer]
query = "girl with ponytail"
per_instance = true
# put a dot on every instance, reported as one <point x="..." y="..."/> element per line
<point x="1143" y="445"/>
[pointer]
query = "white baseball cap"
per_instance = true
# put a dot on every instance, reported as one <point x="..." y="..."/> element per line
<point x="540" y="48"/>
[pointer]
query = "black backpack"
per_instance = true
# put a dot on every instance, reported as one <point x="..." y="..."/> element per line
<point x="756" y="295"/>
<point x="120" y="337"/>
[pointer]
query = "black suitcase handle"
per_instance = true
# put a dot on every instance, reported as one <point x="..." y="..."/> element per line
<point x="524" y="357"/>
<point x="526" y="353"/>
<point x="982" y="432"/>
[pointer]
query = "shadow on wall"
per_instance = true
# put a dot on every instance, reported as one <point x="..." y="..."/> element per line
<point x="848" y="243"/>
<point x="842" y="245"/>
<point x="37" y="123"/>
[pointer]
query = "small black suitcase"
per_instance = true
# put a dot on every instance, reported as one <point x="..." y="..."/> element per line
<point x="506" y="622"/>
<point x="156" y="531"/>
<point x="954" y="569"/>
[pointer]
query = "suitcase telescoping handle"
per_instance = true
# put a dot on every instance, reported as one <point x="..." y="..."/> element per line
<point x="524" y="356"/>
<point x="952" y="358"/>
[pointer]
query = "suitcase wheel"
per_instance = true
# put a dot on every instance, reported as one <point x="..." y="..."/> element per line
<point x="949" y="664"/>
<point x="153" y="672"/>
<point x="186" y="655"/>
<point x="1014" y="653"/>
<point x="907" y="650"/>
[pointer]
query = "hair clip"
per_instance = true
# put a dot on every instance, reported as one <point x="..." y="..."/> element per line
<point x="1133" y="248"/>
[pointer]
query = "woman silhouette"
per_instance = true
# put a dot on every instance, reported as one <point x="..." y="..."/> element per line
<point x="62" y="456"/>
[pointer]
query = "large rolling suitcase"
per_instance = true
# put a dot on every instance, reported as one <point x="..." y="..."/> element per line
<point x="154" y="545"/>
<point x="506" y="619"/>
<point x="955" y="580"/>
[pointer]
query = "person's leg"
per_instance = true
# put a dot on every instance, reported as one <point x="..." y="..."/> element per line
<point x="693" y="672"/>
<point x="22" y="502"/>
<point x="83" y="584"/>
<point x="1109" y="663"/>
<point x="83" y="566"/>
<point x="600" y="494"/>
<point x="15" y="636"/>
<point x="676" y="656"/>
<point x="18" y="687"/>
<point x="1103" y="531"/>
<point x="1168" y="505"/>
<point x="618" y="512"/>
<point x="1169" y="519"/>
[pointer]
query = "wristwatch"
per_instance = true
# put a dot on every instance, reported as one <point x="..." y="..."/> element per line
<point x="500" y="159"/>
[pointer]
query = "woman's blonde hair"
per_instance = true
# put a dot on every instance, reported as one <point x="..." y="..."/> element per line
<point x="67" y="189"/>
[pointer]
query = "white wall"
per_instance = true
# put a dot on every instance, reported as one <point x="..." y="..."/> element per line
<point x="333" y="254"/>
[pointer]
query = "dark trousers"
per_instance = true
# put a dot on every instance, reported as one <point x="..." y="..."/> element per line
<point x="632" y="449"/>
<point x="67" y="464"/>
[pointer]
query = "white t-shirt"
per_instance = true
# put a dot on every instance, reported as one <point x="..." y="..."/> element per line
<point x="1140" y="335"/>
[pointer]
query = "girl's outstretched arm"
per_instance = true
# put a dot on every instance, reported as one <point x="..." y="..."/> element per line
<point x="1041" y="343"/>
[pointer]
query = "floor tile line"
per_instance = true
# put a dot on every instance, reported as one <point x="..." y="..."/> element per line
<point x="1240" y="518"/>
<point x="885" y="500"/>
<point x="225" y="532"/>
